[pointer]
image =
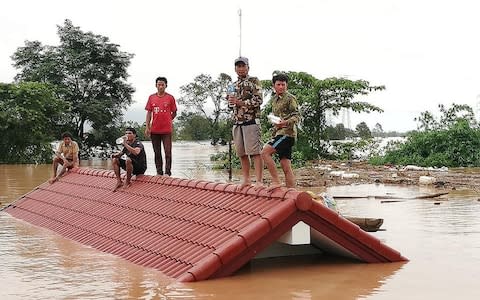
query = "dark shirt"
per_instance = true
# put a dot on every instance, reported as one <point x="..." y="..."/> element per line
<point x="141" y="158"/>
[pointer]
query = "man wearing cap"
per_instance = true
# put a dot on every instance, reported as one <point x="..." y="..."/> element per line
<point x="246" y="130"/>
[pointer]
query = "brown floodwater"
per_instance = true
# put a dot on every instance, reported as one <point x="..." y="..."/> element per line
<point x="441" y="237"/>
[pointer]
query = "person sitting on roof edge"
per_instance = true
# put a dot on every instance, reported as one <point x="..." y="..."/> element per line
<point x="66" y="155"/>
<point x="135" y="162"/>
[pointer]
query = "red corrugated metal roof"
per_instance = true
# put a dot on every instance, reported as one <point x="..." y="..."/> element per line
<point x="188" y="229"/>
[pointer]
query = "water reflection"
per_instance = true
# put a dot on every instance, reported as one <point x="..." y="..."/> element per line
<point x="16" y="180"/>
<point x="190" y="160"/>
<point x="47" y="266"/>
<point x="300" y="278"/>
<point x="441" y="237"/>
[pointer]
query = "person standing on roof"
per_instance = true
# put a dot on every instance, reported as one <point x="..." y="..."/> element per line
<point x="285" y="108"/>
<point x="135" y="162"/>
<point x="66" y="155"/>
<point x="246" y="131"/>
<point x="161" y="110"/>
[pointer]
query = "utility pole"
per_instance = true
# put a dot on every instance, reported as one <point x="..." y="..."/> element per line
<point x="239" y="55"/>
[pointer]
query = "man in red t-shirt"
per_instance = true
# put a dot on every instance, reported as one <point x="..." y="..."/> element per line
<point x="161" y="110"/>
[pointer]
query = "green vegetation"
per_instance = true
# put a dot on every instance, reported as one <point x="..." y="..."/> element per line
<point x="198" y="122"/>
<point x="83" y="81"/>
<point x="354" y="148"/>
<point x="363" y="130"/>
<point x="451" y="141"/>
<point x="88" y="72"/>
<point x="29" y="114"/>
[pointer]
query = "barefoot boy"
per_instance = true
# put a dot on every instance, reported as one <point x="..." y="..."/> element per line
<point x="284" y="106"/>
<point x="66" y="155"/>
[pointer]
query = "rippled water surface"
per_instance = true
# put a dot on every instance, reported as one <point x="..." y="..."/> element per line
<point x="440" y="236"/>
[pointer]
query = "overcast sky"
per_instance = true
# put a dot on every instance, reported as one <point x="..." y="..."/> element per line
<point x="425" y="52"/>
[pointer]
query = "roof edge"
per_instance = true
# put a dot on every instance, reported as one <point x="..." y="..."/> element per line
<point x="281" y="193"/>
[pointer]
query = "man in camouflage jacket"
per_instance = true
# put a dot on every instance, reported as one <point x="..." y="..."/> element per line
<point x="246" y="131"/>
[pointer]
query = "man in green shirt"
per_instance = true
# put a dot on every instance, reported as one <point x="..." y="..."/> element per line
<point x="285" y="108"/>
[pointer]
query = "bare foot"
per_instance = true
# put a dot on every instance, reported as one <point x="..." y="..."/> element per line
<point x="119" y="184"/>
<point x="126" y="185"/>
<point x="52" y="180"/>
<point x="274" y="186"/>
<point x="241" y="186"/>
<point x="258" y="186"/>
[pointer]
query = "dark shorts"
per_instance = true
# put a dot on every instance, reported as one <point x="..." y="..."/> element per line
<point x="137" y="168"/>
<point x="283" y="145"/>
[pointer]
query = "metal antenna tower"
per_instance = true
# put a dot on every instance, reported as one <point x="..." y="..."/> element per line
<point x="240" y="33"/>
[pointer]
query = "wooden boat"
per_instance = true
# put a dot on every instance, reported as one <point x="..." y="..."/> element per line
<point x="367" y="224"/>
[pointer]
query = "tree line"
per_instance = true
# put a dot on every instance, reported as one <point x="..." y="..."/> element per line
<point x="450" y="140"/>
<point x="83" y="82"/>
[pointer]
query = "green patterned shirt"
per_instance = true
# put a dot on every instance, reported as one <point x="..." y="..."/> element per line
<point x="285" y="106"/>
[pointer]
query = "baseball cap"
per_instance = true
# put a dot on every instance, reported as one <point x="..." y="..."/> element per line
<point x="241" y="59"/>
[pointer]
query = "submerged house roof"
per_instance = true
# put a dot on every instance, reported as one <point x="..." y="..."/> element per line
<point x="188" y="229"/>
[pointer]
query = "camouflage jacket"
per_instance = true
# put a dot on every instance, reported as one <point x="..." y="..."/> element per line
<point x="249" y="90"/>
<point x="286" y="107"/>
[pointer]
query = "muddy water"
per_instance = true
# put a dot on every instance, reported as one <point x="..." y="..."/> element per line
<point x="441" y="237"/>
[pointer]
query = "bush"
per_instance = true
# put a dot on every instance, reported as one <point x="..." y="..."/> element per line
<point x="455" y="147"/>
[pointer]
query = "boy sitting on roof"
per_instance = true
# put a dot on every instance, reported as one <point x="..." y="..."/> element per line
<point x="66" y="155"/>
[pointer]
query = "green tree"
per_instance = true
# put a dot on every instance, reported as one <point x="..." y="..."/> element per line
<point x="377" y="130"/>
<point x="363" y="131"/>
<point x="193" y="127"/>
<point x="454" y="147"/>
<point x="90" y="73"/>
<point x="426" y="121"/>
<point x="207" y="98"/>
<point x="449" y="116"/>
<point x="452" y="140"/>
<point x="339" y="132"/>
<point x="29" y="114"/>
